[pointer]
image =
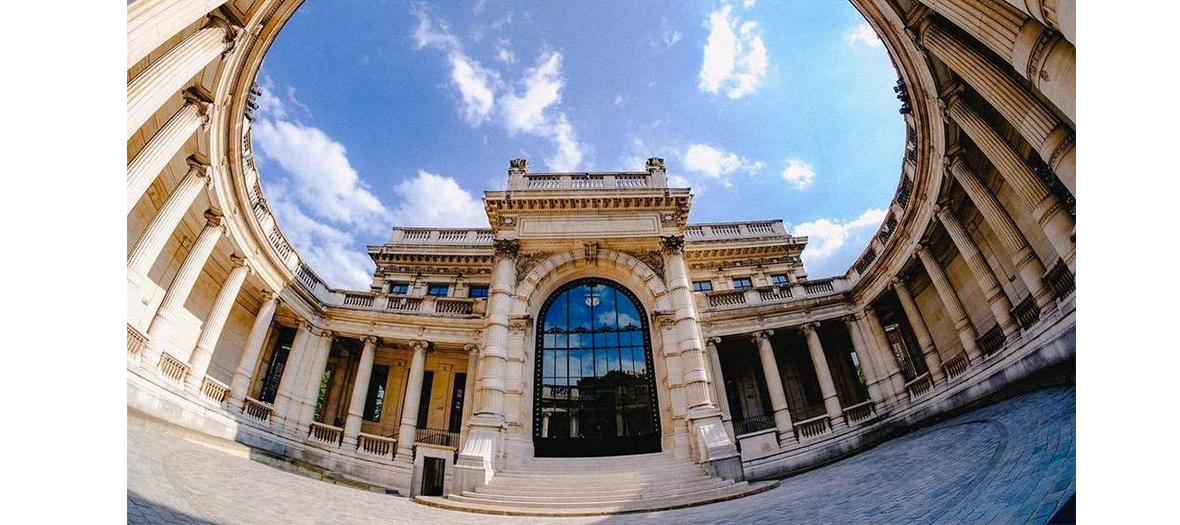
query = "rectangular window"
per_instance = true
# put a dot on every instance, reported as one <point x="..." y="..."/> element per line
<point x="437" y="290"/>
<point x="477" y="291"/>
<point x="424" y="399"/>
<point x="278" y="362"/>
<point x="399" y="288"/>
<point x="702" y="286"/>
<point x="457" y="392"/>
<point x="375" y="399"/>
<point x="778" y="279"/>
<point x="741" y="283"/>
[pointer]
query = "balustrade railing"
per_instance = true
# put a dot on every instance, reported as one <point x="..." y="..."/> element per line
<point x="1027" y="313"/>
<point x="173" y="369"/>
<point x="818" y="287"/>
<point x="326" y="434"/>
<point x="859" y="412"/>
<point x="813" y="427"/>
<point x="774" y="293"/>
<point x="919" y="386"/>
<point x="1060" y="279"/>
<point x="719" y="299"/>
<point x="753" y="424"/>
<point x="361" y="300"/>
<point x="136" y="342"/>
<point x="214" y="390"/>
<point x="404" y="304"/>
<point x="453" y="306"/>
<point x="375" y="445"/>
<point x="436" y="436"/>
<point x="257" y="409"/>
<point x="580" y="181"/>
<point x="955" y="366"/>
<point x="991" y="342"/>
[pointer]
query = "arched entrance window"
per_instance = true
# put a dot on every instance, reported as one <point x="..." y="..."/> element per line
<point x="595" y="392"/>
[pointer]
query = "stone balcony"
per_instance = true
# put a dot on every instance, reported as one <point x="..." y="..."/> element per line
<point x="785" y="294"/>
<point x="585" y="181"/>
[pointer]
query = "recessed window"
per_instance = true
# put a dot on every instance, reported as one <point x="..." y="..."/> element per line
<point x="375" y="398"/>
<point x="778" y="279"/>
<point x="437" y="290"/>
<point x="742" y="283"/>
<point x="477" y="291"/>
<point x="399" y="288"/>
<point x="702" y="286"/>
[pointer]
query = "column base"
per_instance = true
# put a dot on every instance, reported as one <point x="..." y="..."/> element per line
<point x="714" y="449"/>
<point x="477" y="462"/>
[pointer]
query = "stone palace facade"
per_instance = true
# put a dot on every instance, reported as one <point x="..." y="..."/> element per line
<point x="591" y="319"/>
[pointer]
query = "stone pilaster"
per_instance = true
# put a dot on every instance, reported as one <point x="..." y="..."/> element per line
<point x="476" y="463"/>
<point x="156" y="154"/>
<point x="469" y="390"/>
<point x="819" y="361"/>
<point x="774" y="386"/>
<point x="1049" y="136"/>
<point x="717" y="378"/>
<point x="160" y="330"/>
<point x="148" y="248"/>
<point x="286" y="397"/>
<point x="993" y="293"/>
<point x="873" y="328"/>
<point x="707" y="430"/>
<point x="1046" y="208"/>
<point x="239" y="386"/>
<point x="150" y="23"/>
<point x="950" y="301"/>
<point x="921" y="332"/>
<point x="318" y="361"/>
<point x="360" y="387"/>
<point x="1028" y="265"/>
<point x="202" y="353"/>
<point x="152" y="87"/>
<point x="1036" y="52"/>
<point x="872" y="379"/>
<point x="409" y="422"/>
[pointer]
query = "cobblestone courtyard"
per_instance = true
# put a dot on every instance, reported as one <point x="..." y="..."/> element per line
<point x="1012" y="462"/>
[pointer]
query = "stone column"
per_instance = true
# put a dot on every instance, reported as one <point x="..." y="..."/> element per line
<point x="706" y="428"/>
<point x="717" y="378"/>
<point x="409" y="423"/>
<point x="202" y="354"/>
<point x="1046" y="208"/>
<point x="150" y="23"/>
<point x="360" y="387"/>
<point x="239" y="386"/>
<point x="160" y="330"/>
<point x="1037" y="53"/>
<point x="872" y="381"/>
<point x="156" y="154"/>
<point x="921" y="332"/>
<point x="774" y="386"/>
<point x="1048" y="135"/>
<point x="318" y="361"/>
<point x="476" y="463"/>
<point x="1060" y="15"/>
<point x="823" y="373"/>
<point x="997" y="300"/>
<point x="950" y="301"/>
<point x="286" y="397"/>
<point x="469" y="390"/>
<point x="152" y="87"/>
<point x="147" y="249"/>
<point x="873" y="328"/>
<point x="1028" y="265"/>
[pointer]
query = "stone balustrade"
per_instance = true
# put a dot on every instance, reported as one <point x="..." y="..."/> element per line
<point x="1027" y="313"/>
<point x="860" y="412"/>
<point x="919" y="386"/>
<point x="442" y="236"/>
<point x="258" y="410"/>
<point x="404" y="304"/>
<point x="214" y="390"/>
<point x="581" y="181"/>
<point x="1060" y="279"/>
<point x="955" y="366"/>
<point x="813" y="427"/>
<point x="727" y="231"/>
<point x="136" y="342"/>
<point x="372" y="445"/>
<point x="775" y="294"/>
<point x="173" y="369"/>
<point x="991" y="341"/>
<point x="326" y="434"/>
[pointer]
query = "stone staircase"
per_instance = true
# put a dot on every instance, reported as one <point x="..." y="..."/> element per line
<point x="597" y="486"/>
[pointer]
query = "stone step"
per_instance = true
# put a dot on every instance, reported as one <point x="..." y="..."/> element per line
<point x="557" y="468"/>
<point x="607" y="477"/>
<point x="595" y="495"/>
<point x="589" y="483"/>
<point x="600" y="508"/>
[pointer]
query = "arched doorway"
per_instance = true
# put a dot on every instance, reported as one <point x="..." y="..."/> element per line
<point x="595" y="391"/>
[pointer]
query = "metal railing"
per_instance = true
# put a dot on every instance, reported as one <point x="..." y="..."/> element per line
<point x="436" y="436"/>
<point x="753" y="424"/>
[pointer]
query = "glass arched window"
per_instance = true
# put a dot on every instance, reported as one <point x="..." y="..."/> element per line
<point x="595" y="390"/>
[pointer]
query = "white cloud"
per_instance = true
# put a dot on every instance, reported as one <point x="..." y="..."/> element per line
<point x="475" y="83"/>
<point x="798" y="174"/>
<point x="863" y="34"/>
<point x="504" y="52"/>
<point x="749" y="4"/>
<point x="619" y="100"/>
<point x="827" y="236"/>
<point x="703" y="158"/>
<point x="435" y="200"/>
<point x="672" y="36"/>
<point x="735" y="58"/>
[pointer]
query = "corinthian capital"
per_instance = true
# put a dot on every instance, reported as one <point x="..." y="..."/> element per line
<point x="506" y="247"/>
<point x="673" y="243"/>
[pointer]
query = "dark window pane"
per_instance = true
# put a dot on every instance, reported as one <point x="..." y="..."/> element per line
<point x="477" y="291"/>
<point x="424" y="399"/>
<point x="457" y="392"/>
<point x="437" y="290"/>
<point x="375" y="398"/>
<point x="702" y="286"/>
<point x="399" y="288"/>
<point x="741" y="283"/>
<point x="778" y="279"/>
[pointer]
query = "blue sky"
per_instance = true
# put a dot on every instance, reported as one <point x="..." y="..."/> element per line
<point x="377" y="114"/>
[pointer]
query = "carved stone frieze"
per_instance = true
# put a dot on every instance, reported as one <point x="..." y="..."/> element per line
<point x="526" y="261"/>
